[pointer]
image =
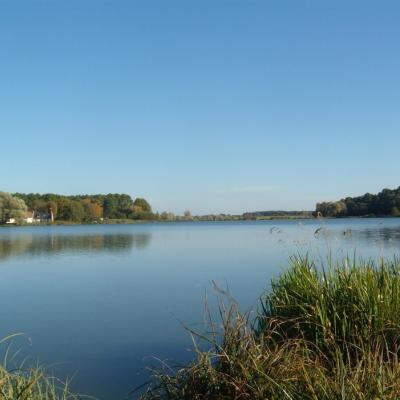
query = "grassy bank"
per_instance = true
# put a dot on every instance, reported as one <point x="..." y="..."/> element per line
<point x="321" y="333"/>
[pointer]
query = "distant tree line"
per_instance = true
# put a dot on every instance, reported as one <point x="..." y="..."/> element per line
<point x="277" y="214"/>
<point x="385" y="203"/>
<point x="86" y="208"/>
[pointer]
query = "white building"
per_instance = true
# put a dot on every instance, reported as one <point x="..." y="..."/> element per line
<point x="29" y="218"/>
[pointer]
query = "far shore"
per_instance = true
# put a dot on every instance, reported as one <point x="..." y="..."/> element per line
<point x="136" y="222"/>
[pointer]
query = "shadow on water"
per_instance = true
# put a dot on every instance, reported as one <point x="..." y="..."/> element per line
<point x="38" y="245"/>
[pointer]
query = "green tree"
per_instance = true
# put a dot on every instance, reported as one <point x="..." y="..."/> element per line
<point x="77" y="211"/>
<point x="11" y="207"/>
<point x="71" y="210"/>
<point x="89" y="212"/>
<point x="110" y="206"/>
<point x="332" y="209"/>
<point x="141" y="204"/>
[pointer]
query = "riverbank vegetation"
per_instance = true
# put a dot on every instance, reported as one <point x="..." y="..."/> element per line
<point x="266" y="215"/>
<point x="385" y="203"/>
<point x="121" y="207"/>
<point x="320" y="334"/>
<point x="86" y="208"/>
<point x="32" y="384"/>
<point x="23" y="383"/>
<point x="22" y="208"/>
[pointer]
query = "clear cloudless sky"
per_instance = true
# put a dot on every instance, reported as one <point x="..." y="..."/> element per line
<point x="207" y="105"/>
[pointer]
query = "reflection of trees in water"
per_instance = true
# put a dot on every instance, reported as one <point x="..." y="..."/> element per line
<point x="36" y="245"/>
<point x="383" y="234"/>
<point x="365" y="236"/>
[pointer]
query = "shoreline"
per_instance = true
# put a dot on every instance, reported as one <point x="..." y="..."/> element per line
<point x="139" y="222"/>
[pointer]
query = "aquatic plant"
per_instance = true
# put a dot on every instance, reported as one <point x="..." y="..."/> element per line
<point x="30" y="383"/>
<point x="322" y="333"/>
<point x="347" y="302"/>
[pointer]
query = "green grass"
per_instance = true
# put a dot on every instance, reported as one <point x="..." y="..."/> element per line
<point x="30" y="383"/>
<point x="322" y="333"/>
<point x="348" y="302"/>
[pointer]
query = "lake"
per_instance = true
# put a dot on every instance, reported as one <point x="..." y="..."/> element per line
<point x="99" y="302"/>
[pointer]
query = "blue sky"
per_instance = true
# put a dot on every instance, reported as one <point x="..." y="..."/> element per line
<point x="208" y="105"/>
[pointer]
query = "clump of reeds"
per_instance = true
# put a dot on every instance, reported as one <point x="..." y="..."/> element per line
<point x="321" y="334"/>
<point x="30" y="383"/>
<point x="345" y="304"/>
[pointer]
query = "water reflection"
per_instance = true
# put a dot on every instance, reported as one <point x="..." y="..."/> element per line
<point x="364" y="235"/>
<point x="386" y="234"/>
<point x="37" y="245"/>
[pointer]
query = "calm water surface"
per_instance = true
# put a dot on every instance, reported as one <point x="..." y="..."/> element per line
<point x="97" y="302"/>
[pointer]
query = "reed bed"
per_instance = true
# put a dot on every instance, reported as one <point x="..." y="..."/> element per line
<point x="29" y="383"/>
<point x="321" y="333"/>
